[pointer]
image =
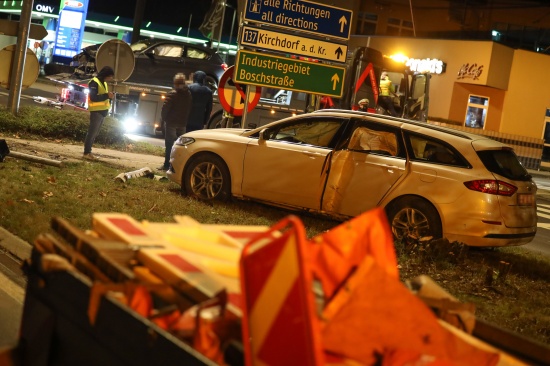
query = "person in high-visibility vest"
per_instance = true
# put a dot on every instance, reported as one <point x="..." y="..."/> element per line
<point x="99" y="103"/>
<point x="387" y="90"/>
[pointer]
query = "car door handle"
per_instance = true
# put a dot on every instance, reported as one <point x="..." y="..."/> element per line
<point x="391" y="168"/>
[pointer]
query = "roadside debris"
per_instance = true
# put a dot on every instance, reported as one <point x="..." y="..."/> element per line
<point x="5" y="151"/>
<point x="143" y="172"/>
<point x="208" y="291"/>
<point x="49" y="102"/>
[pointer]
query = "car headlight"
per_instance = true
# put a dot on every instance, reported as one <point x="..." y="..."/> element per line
<point x="184" y="141"/>
<point x="130" y="124"/>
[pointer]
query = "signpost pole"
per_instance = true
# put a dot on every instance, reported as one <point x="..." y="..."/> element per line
<point x="18" y="64"/>
<point x="245" y="111"/>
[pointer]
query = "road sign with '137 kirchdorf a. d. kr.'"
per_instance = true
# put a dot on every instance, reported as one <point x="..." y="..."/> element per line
<point x="288" y="73"/>
<point x="304" y="16"/>
<point x="261" y="38"/>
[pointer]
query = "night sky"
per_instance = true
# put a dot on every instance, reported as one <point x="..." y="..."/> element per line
<point x="175" y="13"/>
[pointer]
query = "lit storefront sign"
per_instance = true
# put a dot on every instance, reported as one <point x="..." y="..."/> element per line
<point x="46" y="9"/>
<point x="70" y="28"/>
<point x="427" y="65"/>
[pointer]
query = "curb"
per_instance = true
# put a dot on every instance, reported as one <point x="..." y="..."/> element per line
<point x="14" y="245"/>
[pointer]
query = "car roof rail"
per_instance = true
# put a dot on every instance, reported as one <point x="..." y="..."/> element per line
<point x="399" y="119"/>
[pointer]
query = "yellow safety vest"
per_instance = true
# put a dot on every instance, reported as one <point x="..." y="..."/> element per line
<point x="386" y="88"/>
<point x="103" y="105"/>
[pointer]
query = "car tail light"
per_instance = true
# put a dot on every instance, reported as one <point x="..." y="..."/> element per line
<point x="491" y="187"/>
<point x="224" y="66"/>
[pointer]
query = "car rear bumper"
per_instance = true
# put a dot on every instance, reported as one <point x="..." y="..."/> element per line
<point x="510" y="238"/>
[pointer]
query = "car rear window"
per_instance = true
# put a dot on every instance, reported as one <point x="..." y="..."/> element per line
<point x="505" y="163"/>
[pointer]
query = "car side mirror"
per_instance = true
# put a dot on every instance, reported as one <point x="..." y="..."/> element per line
<point x="264" y="134"/>
<point x="150" y="53"/>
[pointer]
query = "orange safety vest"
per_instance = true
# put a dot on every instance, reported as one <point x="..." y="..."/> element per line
<point x="103" y="105"/>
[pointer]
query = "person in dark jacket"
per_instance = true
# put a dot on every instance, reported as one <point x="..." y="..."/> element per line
<point x="202" y="102"/>
<point x="175" y="114"/>
<point x="99" y="103"/>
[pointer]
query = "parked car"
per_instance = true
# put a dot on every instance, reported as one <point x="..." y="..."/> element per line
<point x="156" y="63"/>
<point x="431" y="181"/>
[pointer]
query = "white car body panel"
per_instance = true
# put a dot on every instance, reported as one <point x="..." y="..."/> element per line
<point x="300" y="185"/>
<point x="346" y="182"/>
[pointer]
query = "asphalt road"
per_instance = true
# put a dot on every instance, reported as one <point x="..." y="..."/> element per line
<point x="37" y="89"/>
<point x="541" y="243"/>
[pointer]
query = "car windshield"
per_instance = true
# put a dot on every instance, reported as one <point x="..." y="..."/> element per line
<point x="505" y="163"/>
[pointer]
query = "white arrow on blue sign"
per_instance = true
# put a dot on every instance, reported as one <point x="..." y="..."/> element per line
<point x="300" y="15"/>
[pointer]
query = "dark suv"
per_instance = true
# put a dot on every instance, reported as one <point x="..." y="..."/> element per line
<point x="156" y="63"/>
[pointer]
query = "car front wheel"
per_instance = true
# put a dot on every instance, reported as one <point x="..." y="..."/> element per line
<point x="207" y="178"/>
<point x="413" y="218"/>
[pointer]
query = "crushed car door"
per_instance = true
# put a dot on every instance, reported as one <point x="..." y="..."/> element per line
<point x="364" y="169"/>
<point x="285" y="166"/>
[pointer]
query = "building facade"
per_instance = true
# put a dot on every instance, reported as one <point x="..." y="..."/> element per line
<point x="484" y="86"/>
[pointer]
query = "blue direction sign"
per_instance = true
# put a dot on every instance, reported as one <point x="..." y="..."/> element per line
<point x="299" y="15"/>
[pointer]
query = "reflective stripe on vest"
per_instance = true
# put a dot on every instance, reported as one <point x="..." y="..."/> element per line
<point x="103" y="105"/>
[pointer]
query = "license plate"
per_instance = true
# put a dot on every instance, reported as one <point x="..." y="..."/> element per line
<point x="526" y="199"/>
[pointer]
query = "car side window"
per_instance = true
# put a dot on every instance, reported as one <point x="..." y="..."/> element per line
<point x="196" y="53"/>
<point x="168" y="50"/>
<point x="374" y="141"/>
<point x="434" y="151"/>
<point x="316" y="133"/>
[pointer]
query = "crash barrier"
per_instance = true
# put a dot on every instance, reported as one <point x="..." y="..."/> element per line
<point x="528" y="149"/>
<point x="143" y="293"/>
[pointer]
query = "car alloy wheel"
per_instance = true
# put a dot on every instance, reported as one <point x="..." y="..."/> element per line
<point x="412" y="219"/>
<point x="207" y="178"/>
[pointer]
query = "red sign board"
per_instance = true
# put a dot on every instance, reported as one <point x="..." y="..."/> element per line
<point x="232" y="95"/>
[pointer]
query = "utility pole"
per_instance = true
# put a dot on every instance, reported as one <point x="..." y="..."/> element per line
<point x="138" y="19"/>
<point x="16" y="78"/>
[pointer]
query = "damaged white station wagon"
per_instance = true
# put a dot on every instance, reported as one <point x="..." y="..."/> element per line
<point x="432" y="181"/>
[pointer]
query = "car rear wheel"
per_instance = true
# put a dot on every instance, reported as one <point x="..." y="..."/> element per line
<point x="207" y="178"/>
<point x="413" y="218"/>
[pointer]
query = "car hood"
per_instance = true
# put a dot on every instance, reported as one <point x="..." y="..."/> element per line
<point x="216" y="133"/>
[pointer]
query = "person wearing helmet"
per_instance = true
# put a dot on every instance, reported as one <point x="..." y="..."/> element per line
<point x="364" y="105"/>
<point x="99" y="103"/>
<point x="386" y="91"/>
<point x="202" y="102"/>
<point x="175" y="114"/>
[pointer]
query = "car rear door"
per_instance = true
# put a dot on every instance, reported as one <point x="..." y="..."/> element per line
<point x="287" y="166"/>
<point x="365" y="169"/>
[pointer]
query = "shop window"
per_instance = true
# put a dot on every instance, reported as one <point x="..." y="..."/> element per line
<point x="476" y="111"/>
